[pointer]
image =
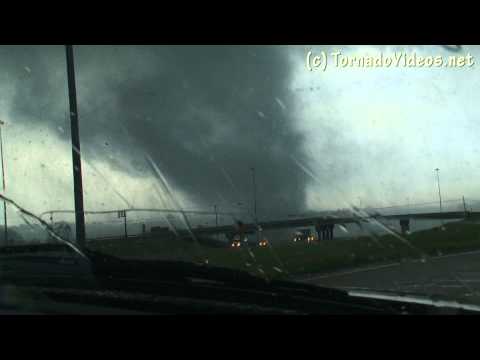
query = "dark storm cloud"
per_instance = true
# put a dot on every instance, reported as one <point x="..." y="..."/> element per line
<point x="35" y="76"/>
<point x="205" y="115"/>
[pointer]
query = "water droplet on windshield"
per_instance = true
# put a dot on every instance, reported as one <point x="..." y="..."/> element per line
<point x="280" y="103"/>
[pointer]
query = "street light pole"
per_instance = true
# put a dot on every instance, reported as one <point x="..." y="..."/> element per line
<point x="3" y="183"/>
<point x="216" y="220"/>
<point x="254" y="195"/>
<point x="439" y="192"/>
<point x="255" y="200"/>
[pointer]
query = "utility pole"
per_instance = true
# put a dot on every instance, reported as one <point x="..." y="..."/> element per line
<point x="464" y="206"/>
<point x="3" y="181"/>
<point x="76" y="158"/>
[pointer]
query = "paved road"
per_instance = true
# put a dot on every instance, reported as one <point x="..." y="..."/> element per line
<point x="456" y="276"/>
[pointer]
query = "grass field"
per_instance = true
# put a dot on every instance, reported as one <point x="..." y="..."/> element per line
<point x="300" y="258"/>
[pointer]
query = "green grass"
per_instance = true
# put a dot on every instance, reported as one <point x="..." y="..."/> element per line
<point x="296" y="259"/>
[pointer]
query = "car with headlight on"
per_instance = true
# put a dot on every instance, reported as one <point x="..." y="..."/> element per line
<point x="303" y="235"/>
<point x="237" y="241"/>
<point x="263" y="243"/>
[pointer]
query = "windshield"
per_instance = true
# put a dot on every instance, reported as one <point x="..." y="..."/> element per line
<point x="343" y="166"/>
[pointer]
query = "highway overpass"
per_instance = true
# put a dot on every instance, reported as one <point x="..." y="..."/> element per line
<point x="324" y="220"/>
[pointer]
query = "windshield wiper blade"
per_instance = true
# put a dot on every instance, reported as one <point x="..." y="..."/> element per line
<point x="433" y="301"/>
<point x="195" y="281"/>
<point x="46" y="226"/>
<point x="106" y="265"/>
<point x="153" y="276"/>
<point x="160" y="278"/>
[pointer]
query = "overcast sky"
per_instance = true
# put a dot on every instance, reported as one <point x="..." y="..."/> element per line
<point x="205" y="115"/>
